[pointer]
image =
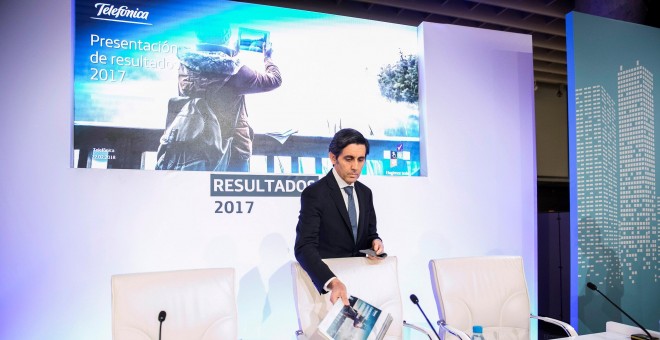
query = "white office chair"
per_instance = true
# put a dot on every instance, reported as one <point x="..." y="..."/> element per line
<point x="374" y="281"/>
<point x="199" y="304"/>
<point x="489" y="291"/>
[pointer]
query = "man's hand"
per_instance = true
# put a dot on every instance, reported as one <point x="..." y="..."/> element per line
<point x="338" y="291"/>
<point x="268" y="49"/>
<point x="235" y="49"/>
<point x="377" y="246"/>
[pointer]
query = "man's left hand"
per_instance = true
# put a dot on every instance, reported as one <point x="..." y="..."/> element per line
<point x="268" y="49"/>
<point x="378" y="247"/>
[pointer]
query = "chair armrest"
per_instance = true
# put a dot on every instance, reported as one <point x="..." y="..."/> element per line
<point x="417" y="328"/>
<point x="570" y="331"/>
<point x="454" y="331"/>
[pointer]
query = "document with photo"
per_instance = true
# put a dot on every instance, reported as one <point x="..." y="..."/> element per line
<point x="358" y="321"/>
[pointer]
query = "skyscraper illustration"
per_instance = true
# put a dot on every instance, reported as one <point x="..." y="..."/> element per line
<point x="598" y="185"/>
<point x="616" y="161"/>
<point x="638" y="227"/>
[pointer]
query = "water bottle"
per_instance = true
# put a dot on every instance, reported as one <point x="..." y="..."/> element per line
<point x="477" y="333"/>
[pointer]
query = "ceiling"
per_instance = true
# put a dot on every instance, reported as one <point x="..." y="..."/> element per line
<point x="543" y="19"/>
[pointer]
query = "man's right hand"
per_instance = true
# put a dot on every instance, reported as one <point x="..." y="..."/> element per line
<point x="338" y="291"/>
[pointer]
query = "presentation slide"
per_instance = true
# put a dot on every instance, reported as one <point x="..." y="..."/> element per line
<point x="227" y="86"/>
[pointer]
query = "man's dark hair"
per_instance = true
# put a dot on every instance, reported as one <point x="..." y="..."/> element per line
<point x="345" y="137"/>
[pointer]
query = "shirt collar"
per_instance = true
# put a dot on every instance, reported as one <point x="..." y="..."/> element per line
<point x="340" y="181"/>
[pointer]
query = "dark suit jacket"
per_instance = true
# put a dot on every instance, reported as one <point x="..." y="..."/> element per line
<point x="324" y="229"/>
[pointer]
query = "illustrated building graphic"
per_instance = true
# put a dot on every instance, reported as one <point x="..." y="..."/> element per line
<point x="616" y="161"/>
<point x="598" y="185"/>
<point x="639" y="209"/>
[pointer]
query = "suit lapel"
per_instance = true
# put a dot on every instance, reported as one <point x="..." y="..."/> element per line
<point x="363" y="208"/>
<point x="338" y="199"/>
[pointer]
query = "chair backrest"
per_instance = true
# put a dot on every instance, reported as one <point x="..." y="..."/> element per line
<point x="200" y="304"/>
<point x="489" y="291"/>
<point x="374" y="281"/>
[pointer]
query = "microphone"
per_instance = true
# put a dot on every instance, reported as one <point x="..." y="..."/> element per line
<point x="161" y="318"/>
<point x="646" y="336"/>
<point x="415" y="300"/>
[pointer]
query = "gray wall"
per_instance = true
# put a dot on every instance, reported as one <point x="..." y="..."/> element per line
<point x="551" y="133"/>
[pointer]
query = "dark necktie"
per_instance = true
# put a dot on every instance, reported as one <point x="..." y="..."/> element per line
<point x="352" y="213"/>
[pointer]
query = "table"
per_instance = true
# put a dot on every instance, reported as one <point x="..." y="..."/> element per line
<point x="613" y="331"/>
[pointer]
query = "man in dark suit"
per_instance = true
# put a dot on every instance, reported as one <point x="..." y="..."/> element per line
<point x="336" y="221"/>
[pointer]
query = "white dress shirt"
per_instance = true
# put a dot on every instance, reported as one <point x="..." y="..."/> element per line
<point x="342" y="185"/>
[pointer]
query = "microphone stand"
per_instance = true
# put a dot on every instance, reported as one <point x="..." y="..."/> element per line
<point x="646" y="336"/>
<point x="161" y="318"/>
<point x="415" y="300"/>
